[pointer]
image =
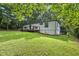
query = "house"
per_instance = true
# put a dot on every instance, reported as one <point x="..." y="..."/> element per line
<point x="45" y="23"/>
<point x="50" y="27"/>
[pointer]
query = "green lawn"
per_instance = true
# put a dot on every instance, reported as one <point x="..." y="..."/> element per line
<point x="33" y="44"/>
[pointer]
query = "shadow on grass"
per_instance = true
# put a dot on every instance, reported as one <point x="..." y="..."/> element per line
<point x="32" y="35"/>
<point x="57" y="37"/>
<point x="26" y="35"/>
<point x="60" y="37"/>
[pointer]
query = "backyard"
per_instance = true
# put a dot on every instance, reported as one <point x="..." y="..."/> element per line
<point x="17" y="43"/>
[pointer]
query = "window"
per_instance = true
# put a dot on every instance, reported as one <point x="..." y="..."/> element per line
<point x="36" y="27"/>
<point x="25" y="27"/>
<point x="41" y="23"/>
<point x="46" y="24"/>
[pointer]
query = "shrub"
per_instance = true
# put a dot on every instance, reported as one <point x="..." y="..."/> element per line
<point x="76" y="32"/>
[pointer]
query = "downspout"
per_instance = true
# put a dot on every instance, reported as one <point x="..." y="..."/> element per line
<point x="55" y="27"/>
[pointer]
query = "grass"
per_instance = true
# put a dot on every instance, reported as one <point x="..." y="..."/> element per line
<point x="14" y="43"/>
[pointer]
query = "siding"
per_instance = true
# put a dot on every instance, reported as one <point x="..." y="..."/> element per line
<point x="58" y="28"/>
<point x="52" y="29"/>
<point x="48" y="30"/>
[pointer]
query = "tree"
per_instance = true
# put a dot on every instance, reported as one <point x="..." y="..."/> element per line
<point x="21" y="11"/>
<point x="68" y="15"/>
<point x="6" y="17"/>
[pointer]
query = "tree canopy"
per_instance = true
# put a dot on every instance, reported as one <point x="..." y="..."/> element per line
<point x="68" y="14"/>
<point x="14" y="15"/>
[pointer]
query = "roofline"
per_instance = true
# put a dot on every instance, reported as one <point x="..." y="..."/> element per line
<point x="47" y="21"/>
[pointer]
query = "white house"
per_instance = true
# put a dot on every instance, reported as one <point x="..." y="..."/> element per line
<point x="51" y="27"/>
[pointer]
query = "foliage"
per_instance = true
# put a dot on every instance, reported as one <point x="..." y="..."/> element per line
<point x="68" y="15"/>
<point x="24" y="11"/>
<point x="18" y="14"/>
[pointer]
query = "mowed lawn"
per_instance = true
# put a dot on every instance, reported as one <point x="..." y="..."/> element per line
<point x="16" y="43"/>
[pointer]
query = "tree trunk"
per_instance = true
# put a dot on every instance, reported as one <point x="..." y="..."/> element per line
<point x="30" y="26"/>
<point x="7" y="26"/>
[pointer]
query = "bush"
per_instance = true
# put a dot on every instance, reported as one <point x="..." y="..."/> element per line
<point x="63" y="30"/>
<point x="76" y="32"/>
